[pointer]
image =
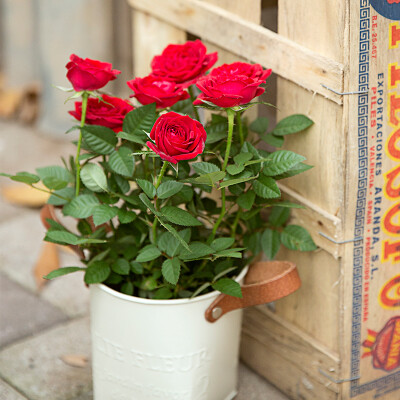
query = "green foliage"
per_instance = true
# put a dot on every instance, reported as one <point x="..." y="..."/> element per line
<point x="168" y="235"/>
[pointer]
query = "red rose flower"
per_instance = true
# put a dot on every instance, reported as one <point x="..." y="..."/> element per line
<point x="177" y="137"/>
<point x="110" y="112"/>
<point x="232" y="84"/>
<point x="254" y="71"/>
<point x="183" y="63"/>
<point x="87" y="74"/>
<point x="155" y="90"/>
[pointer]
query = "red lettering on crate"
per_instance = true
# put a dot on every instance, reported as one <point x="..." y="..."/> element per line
<point x="393" y="108"/>
<point x="391" y="250"/>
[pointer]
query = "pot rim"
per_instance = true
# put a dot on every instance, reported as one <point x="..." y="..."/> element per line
<point x="169" y="302"/>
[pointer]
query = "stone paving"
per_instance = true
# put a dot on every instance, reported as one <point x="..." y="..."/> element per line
<point x="39" y="328"/>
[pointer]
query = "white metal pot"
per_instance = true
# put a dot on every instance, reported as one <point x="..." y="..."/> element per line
<point x="162" y="349"/>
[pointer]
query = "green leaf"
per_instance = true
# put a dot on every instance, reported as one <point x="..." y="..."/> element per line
<point x="197" y="250"/>
<point x="178" y="216"/>
<point x="94" y="178"/>
<point x="146" y="201"/>
<point x="103" y="214"/>
<point x="167" y="242"/>
<point x="168" y="189"/>
<point x="175" y="233"/>
<point x="97" y="272"/>
<point x="249" y="148"/>
<point x="288" y="204"/>
<point x="122" y="183"/>
<point x="259" y="125"/>
<point x="297" y="169"/>
<point x="136" y="267"/>
<point x="99" y="257"/>
<point x="222" y="243"/>
<point x="217" y="131"/>
<point x="229" y="287"/>
<point x="281" y="161"/>
<point x="171" y="269"/>
<point x="147" y="187"/>
<point x="183" y="107"/>
<point x="122" y="161"/>
<point x="127" y="288"/>
<point x="234" y="169"/>
<point x="55" y="177"/>
<point x="292" y="124"/>
<point x="139" y="139"/>
<point x="163" y="293"/>
<point x="200" y="289"/>
<point x="279" y="215"/>
<point x="209" y="179"/>
<point x="205" y="167"/>
<point x="276" y="141"/>
<point x="139" y="121"/>
<point x="246" y="200"/>
<point x="148" y="284"/>
<point x="62" y="271"/>
<point x="148" y="253"/>
<point x="266" y="187"/>
<point x="68" y="192"/>
<point x="241" y="158"/>
<point x="82" y="206"/>
<point x="235" y="181"/>
<point x="234" y="252"/>
<point x="295" y="237"/>
<point x="126" y="216"/>
<point x="121" y="266"/>
<point x="25" y="177"/>
<point x="270" y="242"/>
<point x="99" y="139"/>
<point x="62" y="237"/>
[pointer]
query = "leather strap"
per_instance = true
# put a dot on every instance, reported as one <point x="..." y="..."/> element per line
<point x="48" y="212"/>
<point x="263" y="283"/>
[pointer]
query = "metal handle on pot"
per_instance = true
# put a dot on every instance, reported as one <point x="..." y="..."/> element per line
<point x="264" y="282"/>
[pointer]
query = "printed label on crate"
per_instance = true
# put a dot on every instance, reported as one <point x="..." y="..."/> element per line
<point x="375" y="352"/>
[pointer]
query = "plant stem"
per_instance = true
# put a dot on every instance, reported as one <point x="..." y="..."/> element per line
<point x="231" y="117"/>
<point x="85" y="97"/>
<point x="162" y="172"/>
<point x="52" y="193"/>
<point x="236" y="221"/>
<point x="240" y="127"/>
<point x="193" y="98"/>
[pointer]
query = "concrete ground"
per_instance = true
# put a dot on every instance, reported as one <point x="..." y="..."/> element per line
<point x="40" y="329"/>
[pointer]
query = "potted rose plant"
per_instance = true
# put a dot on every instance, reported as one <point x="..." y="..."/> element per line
<point x="170" y="212"/>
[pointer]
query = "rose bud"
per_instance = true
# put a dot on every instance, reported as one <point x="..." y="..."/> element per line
<point x="232" y="84"/>
<point x="183" y="63"/>
<point x="110" y="112"/>
<point x="155" y="90"/>
<point x="177" y="137"/>
<point x="87" y="74"/>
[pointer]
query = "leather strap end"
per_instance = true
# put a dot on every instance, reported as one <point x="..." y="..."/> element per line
<point x="264" y="282"/>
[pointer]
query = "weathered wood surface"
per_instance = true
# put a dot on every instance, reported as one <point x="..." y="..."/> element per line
<point x="251" y="41"/>
<point x="292" y="360"/>
<point x="150" y="37"/>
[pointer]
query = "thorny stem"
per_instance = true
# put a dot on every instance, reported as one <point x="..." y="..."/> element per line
<point x="162" y="172"/>
<point x="236" y="221"/>
<point x="85" y="97"/>
<point x="240" y="127"/>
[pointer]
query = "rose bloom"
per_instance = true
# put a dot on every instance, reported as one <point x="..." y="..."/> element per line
<point x="110" y="112"/>
<point x="87" y="74"/>
<point x="177" y="137"/>
<point x="183" y="63"/>
<point x="232" y="84"/>
<point x="155" y="90"/>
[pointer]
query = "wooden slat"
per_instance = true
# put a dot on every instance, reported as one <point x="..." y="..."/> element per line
<point x="150" y="37"/>
<point x="286" y="58"/>
<point x="277" y="349"/>
<point x="317" y="221"/>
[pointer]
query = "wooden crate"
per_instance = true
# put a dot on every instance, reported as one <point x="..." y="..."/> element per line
<point x="338" y="337"/>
